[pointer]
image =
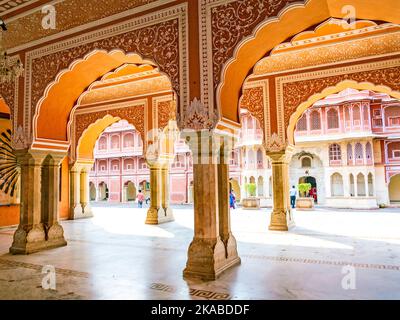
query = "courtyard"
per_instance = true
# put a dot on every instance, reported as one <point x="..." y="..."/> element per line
<point x="114" y="255"/>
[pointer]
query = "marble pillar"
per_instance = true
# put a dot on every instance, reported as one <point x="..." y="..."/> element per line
<point x="80" y="191"/>
<point x="85" y="190"/>
<point x="51" y="199"/>
<point x="38" y="228"/>
<point x="226" y="235"/>
<point x="159" y="211"/>
<point x="282" y="215"/>
<point x="213" y="248"/>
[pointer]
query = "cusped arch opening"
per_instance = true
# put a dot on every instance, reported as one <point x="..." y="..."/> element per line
<point x="292" y="20"/>
<point x="50" y="123"/>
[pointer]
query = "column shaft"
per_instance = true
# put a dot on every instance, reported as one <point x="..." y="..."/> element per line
<point x="157" y="212"/>
<point x="281" y="216"/>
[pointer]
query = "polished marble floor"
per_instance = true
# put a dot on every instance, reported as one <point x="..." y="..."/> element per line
<point x="115" y="256"/>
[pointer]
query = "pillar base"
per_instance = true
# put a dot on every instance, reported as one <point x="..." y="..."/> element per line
<point x="159" y="216"/>
<point x="34" y="240"/>
<point x="281" y="221"/>
<point x="80" y="213"/>
<point x="207" y="260"/>
<point x="231" y="249"/>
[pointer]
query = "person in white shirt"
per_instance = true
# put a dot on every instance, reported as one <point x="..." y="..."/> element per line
<point x="293" y="194"/>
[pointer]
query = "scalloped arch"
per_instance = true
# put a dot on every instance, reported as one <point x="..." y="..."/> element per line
<point x="53" y="109"/>
<point x="347" y="84"/>
<point x="290" y="21"/>
<point x="87" y="141"/>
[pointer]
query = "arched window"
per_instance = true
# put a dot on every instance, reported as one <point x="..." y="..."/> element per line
<point x="368" y="152"/>
<point x="361" y="192"/>
<point x="315" y="120"/>
<point x="352" y="192"/>
<point x="347" y="116"/>
<point x="356" y="116"/>
<point x="302" y="123"/>
<point x="129" y="164"/>
<point x="306" y="162"/>
<point x="349" y="154"/>
<point x="128" y="140"/>
<point x="103" y="143"/>
<point x="337" y="185"/>
<point x="115" y="165"/>
<point x="260" y="186"/>
<point x="359" y="154"/>
<point x="370" y="185"/>
<point x="252" y="159"/>
<point x="333" y="119"/>
<point x="115" y="142"/>
<point x="260" y="161"/>
<point x="142" y="163"/>
<point x="335" y="153"/>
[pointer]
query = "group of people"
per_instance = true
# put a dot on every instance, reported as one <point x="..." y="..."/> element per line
<point x="232" y="197"/>
<point x="141" y="198"/>
<point x="293" y="194"/>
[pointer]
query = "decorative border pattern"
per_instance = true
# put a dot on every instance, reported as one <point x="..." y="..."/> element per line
<point x="199" y="293"/>
<point x="231" y="22"/>
<point x="162" y="111"/>
<point x="180" y="84"/>
<point x="263" y="115"/>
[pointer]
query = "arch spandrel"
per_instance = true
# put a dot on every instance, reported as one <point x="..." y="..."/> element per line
<point x="292" y="19"/>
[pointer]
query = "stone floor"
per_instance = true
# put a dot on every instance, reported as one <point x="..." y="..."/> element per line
<point x="115" y="256"/>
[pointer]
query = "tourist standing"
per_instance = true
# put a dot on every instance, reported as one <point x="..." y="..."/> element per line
<point x="232" y="200"/>
<point x="140" y="198"/>
<point x="293" y="194"/>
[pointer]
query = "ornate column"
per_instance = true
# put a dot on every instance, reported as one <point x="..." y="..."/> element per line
<point x="208" y="256"/>
<point x="85" y="190"/>
<point x="30" y="235"/>
<point x="75" y="193"/>
<point x="50" y="199"/>
<point x="224" y="215"/>
<point x="165" y="192"/>
<point x="38" y="228"/>
<point x="79" y="192"/>
<point x="159" y="212"/>
<point x="281" y="216"/>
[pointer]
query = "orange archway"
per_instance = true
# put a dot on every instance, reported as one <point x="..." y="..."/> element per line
<point x="292" y="20"/>
<point x="53" y="111"/>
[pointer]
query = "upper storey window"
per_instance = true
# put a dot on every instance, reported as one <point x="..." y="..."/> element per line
<point x="335" y="152"/>
<point x="115" y="142"/>
<point x="333" y="119"/>
<point x="102" y="143"/>
<point x="356" y="116"/>
<point x="315" y="120"/>
<point x="392" y="115"/>
<point x="128" y="140"/>
<point x="302" y="123"/>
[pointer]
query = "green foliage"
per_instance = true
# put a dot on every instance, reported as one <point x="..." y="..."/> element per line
<point x="251" y="189"/>
<point x="304" y="188"/>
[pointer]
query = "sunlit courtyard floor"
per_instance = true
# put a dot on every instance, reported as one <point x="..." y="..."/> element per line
<point x="115" y="256"/>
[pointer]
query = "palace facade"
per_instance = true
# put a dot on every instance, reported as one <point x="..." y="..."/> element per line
<point x="186" y="69"/>
<point x="347" y="147"/>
